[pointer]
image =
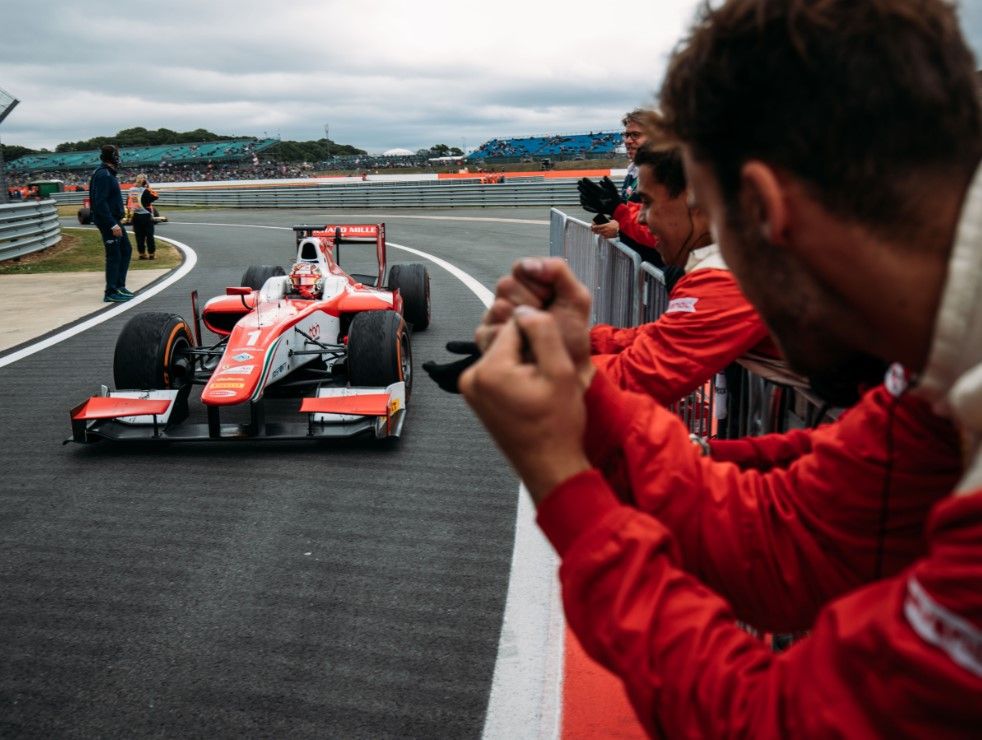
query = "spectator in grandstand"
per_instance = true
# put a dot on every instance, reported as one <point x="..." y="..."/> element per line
<point x="141" y="198"/>
<point x="850" y="242"/>
<point x="106" y="202"/>
<point x="708" y="323"/>
<point x="621" y="208"/>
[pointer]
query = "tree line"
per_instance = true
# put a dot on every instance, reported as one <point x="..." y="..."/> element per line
<point x="284" y="151"/>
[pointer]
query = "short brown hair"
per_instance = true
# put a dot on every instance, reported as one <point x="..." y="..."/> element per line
<point x="646" y="119"/>
<point x="857" y="99"/>
<point x="666" y="166"/>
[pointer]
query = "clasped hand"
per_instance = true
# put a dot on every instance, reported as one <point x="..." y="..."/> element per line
<point x="547" y="284"/>
<point x="528" y="386"/>
<point x="528" y="392"/>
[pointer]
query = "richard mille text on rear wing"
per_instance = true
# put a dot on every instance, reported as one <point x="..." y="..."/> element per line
<point x="336" y="346"/>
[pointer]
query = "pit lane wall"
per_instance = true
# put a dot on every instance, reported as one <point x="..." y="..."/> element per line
<point x="28" y="227"/>
<point x="751" y="397"/>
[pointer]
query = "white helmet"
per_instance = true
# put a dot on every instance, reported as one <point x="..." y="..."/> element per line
<point x="306" y="279"/>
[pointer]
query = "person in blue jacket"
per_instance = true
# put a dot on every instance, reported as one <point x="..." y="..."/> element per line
<point x="106" y="202"/>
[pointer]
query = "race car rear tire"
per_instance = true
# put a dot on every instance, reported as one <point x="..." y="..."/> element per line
<point x="379" y="351"/>
<point x="413" y="283"/>
<point x="154" y="352"/>
<point x="257" y="275"/>
<point x="84" y="216"/>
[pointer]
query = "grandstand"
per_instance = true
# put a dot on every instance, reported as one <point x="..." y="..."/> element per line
<point x="233" y="150"/>
<point x="596" y="145"/>
<point x="235" y="159"/>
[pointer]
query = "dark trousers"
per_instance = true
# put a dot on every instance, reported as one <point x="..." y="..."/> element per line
<point x="118" y="251"/>
<point x="143" y="229"/>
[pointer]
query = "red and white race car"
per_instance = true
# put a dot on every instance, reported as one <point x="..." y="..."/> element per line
<point x="340" y="342"/>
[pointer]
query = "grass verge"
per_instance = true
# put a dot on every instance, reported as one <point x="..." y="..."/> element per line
<point x="83" y="251"/>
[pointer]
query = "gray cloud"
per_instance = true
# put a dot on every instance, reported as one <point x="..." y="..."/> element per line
<point x="382" y="73"/>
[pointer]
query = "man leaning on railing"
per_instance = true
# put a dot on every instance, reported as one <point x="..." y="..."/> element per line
<point x="708" y="323"/>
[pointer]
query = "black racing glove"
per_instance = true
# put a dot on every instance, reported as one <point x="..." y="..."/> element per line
<point x="611" y="192"/>
<point x="591" y="197"/>
<point x="447" y="375"/>
<point x="598" y="198"/>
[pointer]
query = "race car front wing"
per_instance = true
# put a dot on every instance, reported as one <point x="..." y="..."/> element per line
<point x="159" y="416"/>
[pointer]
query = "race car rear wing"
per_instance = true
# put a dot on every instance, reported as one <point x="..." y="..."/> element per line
<point x="351" y="233"/>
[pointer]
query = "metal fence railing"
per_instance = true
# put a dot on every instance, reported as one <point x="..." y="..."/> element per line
<point x="413" y="194"/>
<point x="28" y="227"/>
<point x="620" y="268"/>
<point x="609" y="268"/>
<point x="654" y="293"/>
<point x="736" y="401"/>
<point x="580" y="249"/>
<point x="557" y="232"/>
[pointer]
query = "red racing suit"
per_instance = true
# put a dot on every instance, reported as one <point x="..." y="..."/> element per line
<point x="708" y="324"/>
<point x="626" y="216"/>
<point x="813" y="514"/>
<point x="901" y="657"/>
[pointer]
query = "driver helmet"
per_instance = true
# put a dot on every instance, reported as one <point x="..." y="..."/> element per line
<point x="306" y="279"/>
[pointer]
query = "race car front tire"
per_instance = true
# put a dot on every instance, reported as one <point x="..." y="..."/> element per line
<point x="257" y="275"/>
<point x="413" y="283"/>
<point x="84" y="216"/>
<point x="379" y="351"/>
<point x="153" y="352"/>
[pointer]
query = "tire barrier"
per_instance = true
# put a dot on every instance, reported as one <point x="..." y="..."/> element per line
<point x="28" y="227"/>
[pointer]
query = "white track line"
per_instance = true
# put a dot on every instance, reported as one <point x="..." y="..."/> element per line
<point x="484" y="295"/>
<point x="190" y="260"/>
<point x="526" y="690"/>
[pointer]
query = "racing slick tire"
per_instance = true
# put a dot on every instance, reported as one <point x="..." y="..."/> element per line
<point x="413" y="283"/>
<point x="153" y="352"/>
<point x="379" y="351"/>
<point x="85" y="216"/>
<point x="257" y="275"/>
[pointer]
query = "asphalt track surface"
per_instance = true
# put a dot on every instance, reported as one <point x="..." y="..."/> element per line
<point x="257" y="589"/>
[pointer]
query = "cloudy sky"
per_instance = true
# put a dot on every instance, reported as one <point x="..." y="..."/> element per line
<point x="379" y="73"/>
